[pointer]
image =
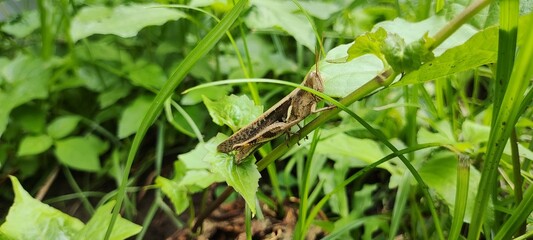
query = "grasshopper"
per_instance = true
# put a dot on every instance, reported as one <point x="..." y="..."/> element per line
<point x="277" y="120"/>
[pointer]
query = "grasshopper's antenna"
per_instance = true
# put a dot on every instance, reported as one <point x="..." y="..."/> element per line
<point x="317" y="57"/>
<point x="318" y="49"/>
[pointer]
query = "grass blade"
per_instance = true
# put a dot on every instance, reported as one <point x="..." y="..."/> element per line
<point x="506" y="117"/>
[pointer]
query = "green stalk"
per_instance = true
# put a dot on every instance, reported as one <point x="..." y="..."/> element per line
<point x="300" y="230"/>
<point x="206" y="44"/>
<point x="404" y="188"/>
<point x="506" y="50"/>
<point x="506" y="118"/>
<point x="159" y="149"/>
<point x="461" y="196"/>
<point x="248" y="222"/>
<point x="458" y="21"/>
<point x="46" y="32"/>
<point x="515" y="158"/>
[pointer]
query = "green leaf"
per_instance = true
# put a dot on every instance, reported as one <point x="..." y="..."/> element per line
<point x="265" y="15"/>
<point x="234" y="111"/>
<point x="30" y="219"/>
<point x="414" y="31"/>
<point x="332" y="178"/>
<point x="403" y="57"/>
<point x="479" y="50"/>
<point x="30" y="118"/>
<point x="94" y="79"/>
<point x="124" y="21"/>
<point x="339" y="148"/>
<point x="173" y="190"/>
<point x="80" y="152"/>
<point x="26" y="78"/>
<point x="475" y="133"/>
<point x="442" y="134"/>
<point x="194" y="158"/>
<point x="130" y="120"/>
<point x="197" y="180"/>
<point x="368" y="43"/>
<point x="97" y="225"/>
<point x="321" y="10"/>
<point x="244" y="177"/>
<point x="187" y="178"/>
<point x="31" y="145"/>
<point x="342" y="78"/>
<point x="22" y="27"/>
<point x="363" y="199"/>
<point x="149" y="76"/>
<point x="62" y="126"/>
<point x="111" y="95"/>
<point x="104" y="50"/>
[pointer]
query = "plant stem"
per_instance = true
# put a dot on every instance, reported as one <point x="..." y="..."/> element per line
<point x="458" y="21"/>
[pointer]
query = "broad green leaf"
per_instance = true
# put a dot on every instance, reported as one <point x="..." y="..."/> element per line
<point x="30" y="118"/>
<point x="95" y="79"/>
<point x="149" y="76"/>
<point x="194" y="158"/>
<point x="62" y="126"/>
<point x="197" y="180"/>
<point x="233" y="111"/>
<point x="475" y="133"/>
<point x="30" y="219"/>
<point x="191" y="174"/>
<point x="197" y="173"/>
<point x="479" y="50"/>
<point x="363" y="200"/>
<point x="340" y="148"/>
<point x="244" y="177"/>
<point x="130" y="119"/>
<point x="123" y="20"/>
<point x="32" y="145"/>
<point x="111" y="95"/>
<point x="414" y="31"/>
<point x="368" y="43"/>
<point x="26" y="79"/>
<point x="179" y="170"/>
<point x="403" y="57"/>
<point x="274" y="14"/>
<point x="22" y="27"/>
<point x="338" y="201"/>
<point x="173" y="190"/>
<point x="321" y="10"/>
<point x="80" y="152"/>
<point x="187" y="178"/>
<point x="104" y="50"/>
<point x="342" y="78"/>
<point x="97" y="225"/>
<point x="440" y="174"/>
<point x="442" y="133"/>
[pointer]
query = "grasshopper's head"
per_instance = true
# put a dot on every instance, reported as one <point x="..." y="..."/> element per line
<point x="314" y="81"/>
